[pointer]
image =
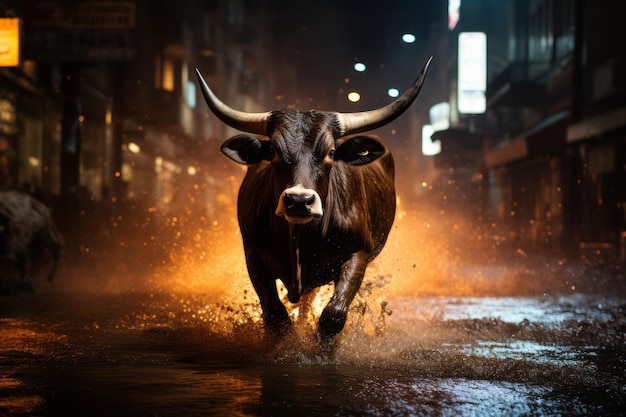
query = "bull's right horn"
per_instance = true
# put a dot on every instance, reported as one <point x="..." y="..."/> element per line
<point x="351" y="123"/>
<point x="246" y="122"/>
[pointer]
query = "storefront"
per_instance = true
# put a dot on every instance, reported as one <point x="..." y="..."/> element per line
<point x="529" y="185"/>
<point x="29" y="135"/>
<point x="601" y="145"/>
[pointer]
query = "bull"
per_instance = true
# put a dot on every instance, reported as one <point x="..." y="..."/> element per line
<point x="316" y="204"/>
<point x="29" y="241"/>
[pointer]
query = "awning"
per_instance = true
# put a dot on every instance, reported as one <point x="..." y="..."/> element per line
<point x="596" y="126"/>
<point x="509" y="152"/>
<point x="543" y="138"/>
<point x="18" y="78"/>
<point x="458" y="138"/>
<point x="459" y="148"/>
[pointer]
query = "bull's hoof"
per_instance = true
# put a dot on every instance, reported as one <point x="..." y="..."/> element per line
<point x="331" y="322"/>
<point x="327" y="347"/>
<point x="277" y="328"/>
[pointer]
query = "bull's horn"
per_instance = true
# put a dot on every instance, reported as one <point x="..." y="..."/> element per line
<point x="368" y="120"/>
<point x="246" y="122"/>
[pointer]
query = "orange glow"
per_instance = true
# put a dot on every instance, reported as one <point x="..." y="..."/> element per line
<point x="193" y="253"/>
<point x="422" y="257"/>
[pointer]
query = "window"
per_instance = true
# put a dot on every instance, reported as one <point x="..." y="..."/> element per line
<point x="191" y="94"/>
<point x="168" y="75"/>
<point x="541" y="30"/>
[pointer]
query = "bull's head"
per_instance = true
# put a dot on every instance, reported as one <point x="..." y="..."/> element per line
<point x="302" y="147"/>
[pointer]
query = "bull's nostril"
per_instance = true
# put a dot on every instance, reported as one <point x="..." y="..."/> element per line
<point x="293" y="199"/>
<point x="294" y="202"/>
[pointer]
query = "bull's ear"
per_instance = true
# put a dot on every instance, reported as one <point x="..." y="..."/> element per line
<point x="360" y="150"/>
<point x="247" y="150"/>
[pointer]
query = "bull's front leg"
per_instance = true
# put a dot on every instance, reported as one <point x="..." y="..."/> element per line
<point x="275" y="316"/>
<point x="335" y="313"/>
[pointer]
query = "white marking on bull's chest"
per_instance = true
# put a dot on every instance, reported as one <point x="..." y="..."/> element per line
<point x="298" y="270"/>
<point x="295" y="258"/>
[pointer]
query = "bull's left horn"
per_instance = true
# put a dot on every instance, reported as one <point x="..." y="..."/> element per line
<point x="351" y="123"/>
<point x="246" y="122"/>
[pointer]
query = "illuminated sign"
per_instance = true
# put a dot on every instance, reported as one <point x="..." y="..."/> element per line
<point x="454" y="13"/>
<point x="440" y="116"/>
<point x="429" y="147"/>
<point x="9" y="42"/>
<point x="439" y="120"/>
<point x="472" y="76"/>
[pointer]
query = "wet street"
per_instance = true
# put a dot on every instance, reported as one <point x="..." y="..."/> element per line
<point x="428" y="334"/>
<point x="135" y="354"/>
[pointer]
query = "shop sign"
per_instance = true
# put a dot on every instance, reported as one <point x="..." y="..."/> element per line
<point x="80" y="31"/>
<point x="9" y="42"/>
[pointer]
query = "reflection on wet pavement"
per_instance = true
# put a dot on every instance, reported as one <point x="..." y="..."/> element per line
<point x="425" y="336"/>
<point x="188" y="354"/>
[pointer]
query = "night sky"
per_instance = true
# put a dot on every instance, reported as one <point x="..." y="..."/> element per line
<point x="323" y="39"/>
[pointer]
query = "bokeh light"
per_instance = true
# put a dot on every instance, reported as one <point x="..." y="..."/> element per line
<point x="353" y="96"/>
<point x="408" y="38"/>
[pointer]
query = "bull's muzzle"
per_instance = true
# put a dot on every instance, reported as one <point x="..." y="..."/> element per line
<point x="299" y="204"/>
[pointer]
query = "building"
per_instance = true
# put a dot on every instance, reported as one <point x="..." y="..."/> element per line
<point x="102" y="117"/>
<point x="548" y="151"/>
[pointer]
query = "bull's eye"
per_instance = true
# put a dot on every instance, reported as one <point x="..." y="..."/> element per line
<point x="331" y="154"/>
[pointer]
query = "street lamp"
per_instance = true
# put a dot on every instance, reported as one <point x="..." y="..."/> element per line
<point x="353" y="96"/>
<point x="359" y="67"/>
<point x="408" y="38"/>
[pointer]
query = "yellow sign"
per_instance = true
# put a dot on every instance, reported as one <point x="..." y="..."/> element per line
<point x="9" y="42"/>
